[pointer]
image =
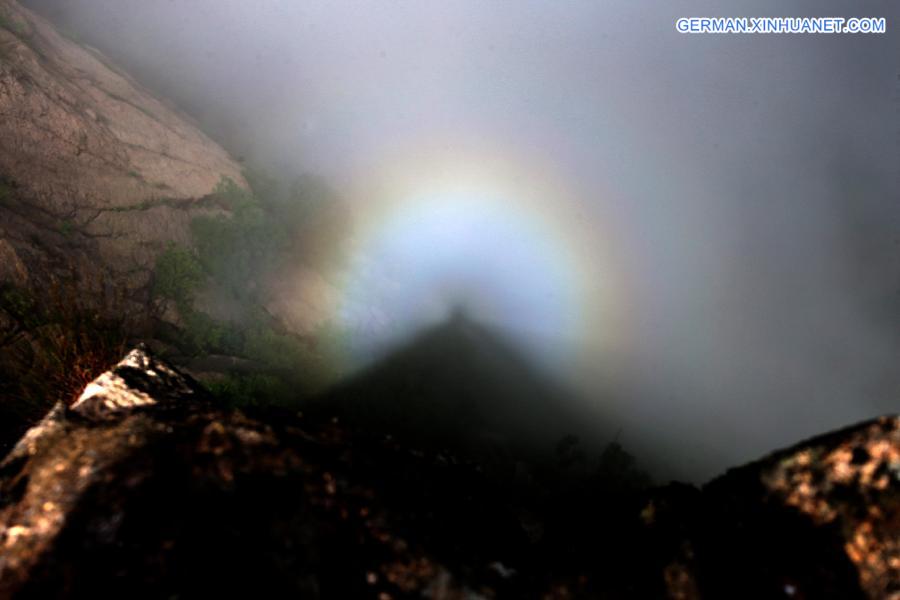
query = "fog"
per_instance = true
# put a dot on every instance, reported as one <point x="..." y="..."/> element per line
<point x="700" y="234"/>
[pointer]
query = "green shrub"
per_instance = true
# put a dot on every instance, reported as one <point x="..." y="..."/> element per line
<point x="252" y="390"/>
<point x="204" y="335"/>
<point x="277" y="350"/>
<point x="177" y="275"/>
<point x="20" y="28"/>
<point x="239" y="248"/>
<point x="238" y="252"/>
<point x="232" y="195"/>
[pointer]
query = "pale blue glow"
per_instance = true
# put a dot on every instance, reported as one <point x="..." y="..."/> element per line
<point x="450" y="253"/>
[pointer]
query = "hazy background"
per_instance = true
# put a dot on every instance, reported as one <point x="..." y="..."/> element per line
<point x="749" y="184"/>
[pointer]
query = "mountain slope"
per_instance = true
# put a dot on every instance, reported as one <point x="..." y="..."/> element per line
<point x="96" y="175"/>
<point x="462" y="384"/>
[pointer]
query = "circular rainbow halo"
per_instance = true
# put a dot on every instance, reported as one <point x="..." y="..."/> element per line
<point x="511" y="251"/>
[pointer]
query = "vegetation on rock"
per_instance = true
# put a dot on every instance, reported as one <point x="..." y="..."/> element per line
<point x="178" y="274"/>
<point x="14" y="25"/>
<point x="54" y="347"/>
<point x="234" y="255"/>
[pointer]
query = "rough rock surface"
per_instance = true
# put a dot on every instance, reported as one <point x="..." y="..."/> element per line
<point x="819" y="520"/>
<point x="145" y="488"/>
<point x="96" y="175"/>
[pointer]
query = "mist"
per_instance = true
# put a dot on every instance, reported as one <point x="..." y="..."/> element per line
<point x="698" y="234"/>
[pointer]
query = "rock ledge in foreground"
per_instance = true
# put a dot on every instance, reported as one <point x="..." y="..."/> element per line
<point x="145" y="488"/>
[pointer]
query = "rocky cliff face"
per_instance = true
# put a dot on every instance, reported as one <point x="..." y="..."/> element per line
<point x="145" y="488"/>
<point x="96" y="175"/>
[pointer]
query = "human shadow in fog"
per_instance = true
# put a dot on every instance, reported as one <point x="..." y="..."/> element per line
<point x="466" y="388"/>
<point x="464" y="391"/>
